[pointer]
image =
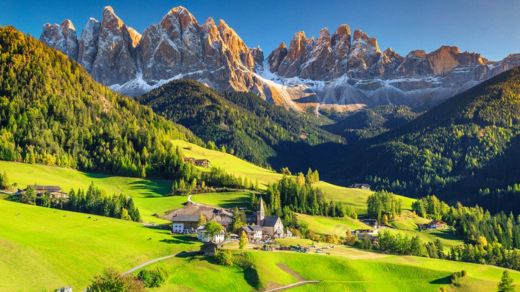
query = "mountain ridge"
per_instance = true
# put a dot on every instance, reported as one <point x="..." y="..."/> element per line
<point x="344" y="71"/>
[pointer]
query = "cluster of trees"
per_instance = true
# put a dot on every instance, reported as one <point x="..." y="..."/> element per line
<point x="153" y="278"/>
<point x="4" y="181"/>
<point x="383" y="206"/>
<point x="52" y="112"/>
<point x="486" y="253"/>
<point x="91" y="201"/>
<point x="473" y="223"/>
<point x="113" y="281"/>
<point x="190" y="180"/>
<point x="94" y="201"/>
<point x="399" y="244"/>
<point x="299" y="196"/>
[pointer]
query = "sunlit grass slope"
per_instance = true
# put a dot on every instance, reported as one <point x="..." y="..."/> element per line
<point x="149" y="195"/>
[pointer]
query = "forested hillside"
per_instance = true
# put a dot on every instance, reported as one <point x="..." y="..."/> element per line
<point x="371" y="122"/>
<point x="465" y="149"/>
<point x="247" y="126"/>
<point x="52" y="112"/>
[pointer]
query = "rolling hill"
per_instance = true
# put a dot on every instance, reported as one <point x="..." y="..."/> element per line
<point x="52" y="112"/>
<point x="68" y="249"/>
<point x="246" y="125"/>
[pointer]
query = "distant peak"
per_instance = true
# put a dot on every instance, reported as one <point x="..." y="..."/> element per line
<point x="108" y="10"/>
<point x="343" y="29"/>
<point x="67" y="23"/>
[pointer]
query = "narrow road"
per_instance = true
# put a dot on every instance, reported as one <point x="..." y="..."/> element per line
<point x="301" y="283"/>
<point x="147" y="264"/>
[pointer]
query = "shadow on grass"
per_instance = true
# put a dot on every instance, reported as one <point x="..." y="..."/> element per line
<point x="442" y="281"/>
<point x="150" y="188"/>
<point x="182" y="239"/>
<point x="232" y="203"/>
<point x="251" y="277"/>
<point x="187" y="254"/>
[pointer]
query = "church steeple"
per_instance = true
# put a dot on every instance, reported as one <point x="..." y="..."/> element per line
<point x="260" y="214"/>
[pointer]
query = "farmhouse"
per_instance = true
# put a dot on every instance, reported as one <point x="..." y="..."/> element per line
<point x="433" y="225"/>
<point x="186" y="220"/>
<point x="185" y="223"/>
<point x="361" y="186"/>
<point x="370" y="222"/>
<point x="366" y="233"/>
<point x="203" y="236"/>
<point x="54" y="192"/>
<point x="253" y="232"/>
<point x="198" y="162"/>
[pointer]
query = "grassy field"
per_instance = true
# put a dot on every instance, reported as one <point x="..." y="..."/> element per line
<point x="354" y="197"/>
<point x="407" y="224"/>
<point x="149" y="195"/>
<point x="328" y="225"/>
<point x="44" y="249"/>
<point x="225" y="199"/>
<point x="63" y="248"/>
<point x="231" y="164"/>
<point x="346" y="269"/>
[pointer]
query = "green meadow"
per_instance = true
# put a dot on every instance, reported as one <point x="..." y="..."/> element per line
<point x="44" y="249"/>
<point x="224" y="199"/>
<point x="149" y="195"/>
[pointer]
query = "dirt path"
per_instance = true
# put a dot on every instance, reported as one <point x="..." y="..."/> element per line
<point x="147" y="264"/>
<point x="301" y="283"/>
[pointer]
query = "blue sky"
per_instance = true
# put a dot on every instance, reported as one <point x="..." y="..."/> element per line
<point x="491" y="27"/>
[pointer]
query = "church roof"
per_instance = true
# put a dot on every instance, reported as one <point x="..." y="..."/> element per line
<point x="270" y="221"/>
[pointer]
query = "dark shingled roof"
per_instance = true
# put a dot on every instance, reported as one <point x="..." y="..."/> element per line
<point x="186" y="218"/>
<point x="270" y="221"/>
<point x="252" y="228"/>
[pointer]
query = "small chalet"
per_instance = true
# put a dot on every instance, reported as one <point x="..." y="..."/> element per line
<point x="371" y="222"/>
<point x="185" y="223"/>
<point x="54" y="192"/>
<point x="253" y="232"/>
<point x="365" y="187"/>
<point x="434" y="225"/>
<point x="364" y="233"/>
<point x="203" y="236"/>
<point x="198" y="162"/>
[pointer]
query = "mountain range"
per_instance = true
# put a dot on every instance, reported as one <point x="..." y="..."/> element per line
<point x="342" y="71"/>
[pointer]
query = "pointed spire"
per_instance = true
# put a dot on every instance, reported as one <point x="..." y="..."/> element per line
<point x="261" y="213"/>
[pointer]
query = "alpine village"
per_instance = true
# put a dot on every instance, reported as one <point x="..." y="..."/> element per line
<point x="175" y="157"/>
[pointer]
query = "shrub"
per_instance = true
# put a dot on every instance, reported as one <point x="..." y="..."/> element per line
<point x="114" y="282"/>
<point x="153" y="278"/>
<point x="224" y="257"/>
<point x="456" y="278"/>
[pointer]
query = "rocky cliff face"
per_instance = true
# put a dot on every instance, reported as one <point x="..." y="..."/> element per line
<point x="340" y="70"/>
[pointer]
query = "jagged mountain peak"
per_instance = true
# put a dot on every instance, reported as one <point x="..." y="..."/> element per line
<point x="343" y="29"/>
<point x="339" y="67"/>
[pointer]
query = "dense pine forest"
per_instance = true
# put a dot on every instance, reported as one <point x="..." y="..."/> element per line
<point x="52" y="112"/>
<point x="464" y="150"/>
<point x="242" y="123"/>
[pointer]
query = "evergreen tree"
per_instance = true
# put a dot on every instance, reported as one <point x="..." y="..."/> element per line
<point x="243" y="240"/>
<point x="506" y="283"/>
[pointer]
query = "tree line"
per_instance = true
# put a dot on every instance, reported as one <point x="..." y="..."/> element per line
<point x="298" y="195"/>
<point x="91" y="201"/>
